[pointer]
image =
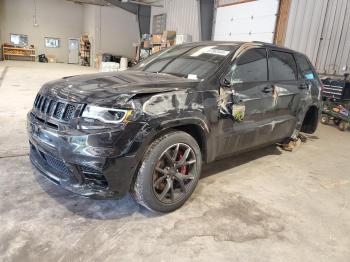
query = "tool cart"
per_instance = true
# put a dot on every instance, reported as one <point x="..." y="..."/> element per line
<point x="336" y="102"/>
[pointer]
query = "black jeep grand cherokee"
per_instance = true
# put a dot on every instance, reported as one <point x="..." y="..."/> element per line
<point x="149" y="129"/>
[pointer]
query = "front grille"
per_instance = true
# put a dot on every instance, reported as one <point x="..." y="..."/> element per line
<point x="56" y="109"/>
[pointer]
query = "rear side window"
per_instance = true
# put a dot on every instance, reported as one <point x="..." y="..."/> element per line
<point x="305" y="68"/>
<point x="250" y="67"/>
<point x="282" y="66"/>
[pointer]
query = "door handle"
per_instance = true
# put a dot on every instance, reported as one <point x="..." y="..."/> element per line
<point x="268" y="89"/>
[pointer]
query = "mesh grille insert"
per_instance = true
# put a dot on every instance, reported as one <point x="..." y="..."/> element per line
<point x="59" y="110"/>
<point x="69" y="113"/>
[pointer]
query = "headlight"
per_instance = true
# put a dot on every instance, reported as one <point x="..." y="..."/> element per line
<point x="106" y="115"/>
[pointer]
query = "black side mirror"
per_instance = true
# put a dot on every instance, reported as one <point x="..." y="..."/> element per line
<point x="225" y="82"/>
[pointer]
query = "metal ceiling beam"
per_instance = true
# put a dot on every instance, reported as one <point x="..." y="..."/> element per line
<point x="90" y="2"/>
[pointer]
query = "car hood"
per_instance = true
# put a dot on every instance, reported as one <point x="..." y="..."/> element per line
<point x="107" y="88"/>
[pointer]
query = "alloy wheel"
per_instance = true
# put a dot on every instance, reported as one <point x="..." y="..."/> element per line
<point x="174" y="173"/>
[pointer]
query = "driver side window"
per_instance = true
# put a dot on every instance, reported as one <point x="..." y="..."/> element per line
<point x="251" y="66"/>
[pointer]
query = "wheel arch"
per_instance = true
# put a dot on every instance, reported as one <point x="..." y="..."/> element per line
<point x="194" y="128"/>
<point x="310" y="121"/>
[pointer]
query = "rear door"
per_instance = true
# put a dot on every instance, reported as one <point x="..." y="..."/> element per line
<point x="283" y="75"/>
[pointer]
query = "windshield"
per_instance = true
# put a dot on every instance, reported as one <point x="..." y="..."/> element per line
<point x="193" y="62"/>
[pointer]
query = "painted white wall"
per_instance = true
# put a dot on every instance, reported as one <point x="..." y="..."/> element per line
<point x="56" y="18"/>
<point x="111" y="29"/>
<point x="183" y="16"/>
<point x="116" y="31"/>
<point x="251" y="21"/>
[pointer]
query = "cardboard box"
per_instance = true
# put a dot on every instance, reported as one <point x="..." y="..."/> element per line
<point x="168" y="35"/>
<point x="156" y="49"/>
<point x="168" y="43"/>
<point x="51" y="59"/>
<point x="146" y="44"/>
<point x="156" y="39"/>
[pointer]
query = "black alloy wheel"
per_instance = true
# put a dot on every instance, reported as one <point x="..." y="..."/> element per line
<point x="174" y="173"/>
<point x="169" y="172"/>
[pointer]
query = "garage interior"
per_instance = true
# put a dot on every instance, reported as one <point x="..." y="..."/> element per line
<point x="264" y="205"/>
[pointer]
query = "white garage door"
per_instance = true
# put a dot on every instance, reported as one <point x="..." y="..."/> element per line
<point x="251" y="21"/>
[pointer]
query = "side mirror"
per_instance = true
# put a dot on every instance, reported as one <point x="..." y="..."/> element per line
<point x="225" y="82"/>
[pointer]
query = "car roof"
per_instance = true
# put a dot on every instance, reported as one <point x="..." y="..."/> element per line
<point x="236" y="44"/>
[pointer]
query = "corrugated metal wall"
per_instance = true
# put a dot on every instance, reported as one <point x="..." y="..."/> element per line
<point x="321" y="30"/>
<point x="183" y="16"/>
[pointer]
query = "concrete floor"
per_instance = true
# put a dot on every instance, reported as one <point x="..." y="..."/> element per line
<point x="268" y="205"/>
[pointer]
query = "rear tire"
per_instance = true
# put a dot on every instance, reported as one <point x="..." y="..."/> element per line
<point x="336" y="121"/>
<point x="169" y="172"/>
<point x="343" y="126"/>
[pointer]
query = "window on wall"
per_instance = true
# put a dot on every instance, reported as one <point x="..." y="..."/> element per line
<point x="282" y="66"/>
<point x="159" y="24"/>
<point x="52" y="42"/>
<point x="18" y="39"/>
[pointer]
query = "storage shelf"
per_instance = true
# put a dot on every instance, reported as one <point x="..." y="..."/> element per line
<point x="18" y="48"/>
<point x="20" y="55"/>
<point x="18" y="52"/>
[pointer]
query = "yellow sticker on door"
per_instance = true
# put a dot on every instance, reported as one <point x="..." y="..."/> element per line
<point x="238" y="112"/>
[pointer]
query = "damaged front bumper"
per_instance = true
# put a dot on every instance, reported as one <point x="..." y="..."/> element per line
<point x="97" y="164"/>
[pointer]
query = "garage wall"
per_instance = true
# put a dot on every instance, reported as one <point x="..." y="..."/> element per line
<point x="249" y="21"/>
<point x="183" y="16"/>
<point x="321" y="30"/>
<point x="111" y="30"/>
<point x="56" y="18"/>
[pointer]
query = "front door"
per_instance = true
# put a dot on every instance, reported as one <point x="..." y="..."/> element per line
<point x="73" y="51"/>
<point x="247" y="105"/>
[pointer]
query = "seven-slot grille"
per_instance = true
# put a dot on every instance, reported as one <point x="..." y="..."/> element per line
<point x="56" y="109"/>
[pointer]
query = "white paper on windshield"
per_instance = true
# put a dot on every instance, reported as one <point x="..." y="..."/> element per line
<point x="210" y="50"/>
<point x="192" y="77"/>
<point x="214" y="51"/>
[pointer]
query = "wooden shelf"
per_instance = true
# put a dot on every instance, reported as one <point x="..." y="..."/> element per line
<point x="19" y="48"/>
<point x="12" y="52"/>
<point x="17" y="55"/>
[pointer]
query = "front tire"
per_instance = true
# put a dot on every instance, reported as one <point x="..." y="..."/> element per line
<point x="169" y="172"/>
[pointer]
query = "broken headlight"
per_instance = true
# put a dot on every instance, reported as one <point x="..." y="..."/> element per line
<point x="106" y="115"/>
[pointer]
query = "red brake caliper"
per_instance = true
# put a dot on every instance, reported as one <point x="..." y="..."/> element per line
<point x="183" y="169"/>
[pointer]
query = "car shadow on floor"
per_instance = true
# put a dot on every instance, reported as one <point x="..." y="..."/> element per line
<point x="127" y="207"/>
<point x="237" y="160"/>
